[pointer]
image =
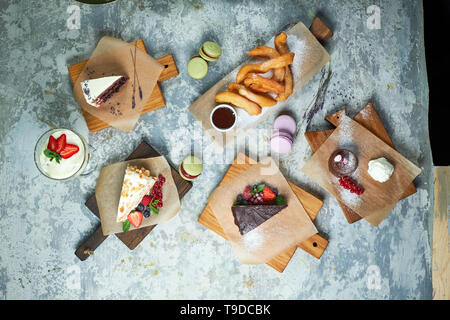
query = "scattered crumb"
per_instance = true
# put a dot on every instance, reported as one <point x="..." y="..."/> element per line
<point x="249" y="283"/>
<point x="197" y="4"/>
<point x="155" y="272"/>
<point x="390" y="85"/>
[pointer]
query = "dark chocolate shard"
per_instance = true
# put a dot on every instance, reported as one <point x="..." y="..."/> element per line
<point x="249" y="217"/>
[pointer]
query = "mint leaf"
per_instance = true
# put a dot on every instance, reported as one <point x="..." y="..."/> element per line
<point x="52" y="155"/>
<point x="279" y="200"/>
<point x="237" y="203"/>
<point x="260" y="187"/>
<point x="154" y="210"/>
<point x="126" y="226"/>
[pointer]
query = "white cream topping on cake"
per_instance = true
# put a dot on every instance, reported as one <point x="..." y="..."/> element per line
<point x="97" y="91"/>
<point x="136" y="184"/>
<point x="380" y="169"/>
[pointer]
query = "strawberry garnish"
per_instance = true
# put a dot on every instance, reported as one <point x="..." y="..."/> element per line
<point x="247" y="195"/>
<point x="146" y="200"/>
<point x="68" y="151"/>
<point x="61" y="143"/>
<point x="268" y="195"/>
<point x="52" y="145"/>
<point x="135" y="218"/>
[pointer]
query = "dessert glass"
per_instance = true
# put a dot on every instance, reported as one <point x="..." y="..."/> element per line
<point x="76" y="168"/>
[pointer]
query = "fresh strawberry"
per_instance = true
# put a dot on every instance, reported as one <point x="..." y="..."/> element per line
<point x="268" y="195"/>
<point x="52" y="145"/>
<point x="68" y="151"/>
<point x="247" y="195"/>
<point x="146" y="200"/>
<point x="61" y="143"/>
<point x="135" y="218"/>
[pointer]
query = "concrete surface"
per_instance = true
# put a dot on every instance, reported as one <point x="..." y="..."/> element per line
<point x="43" y="221"/>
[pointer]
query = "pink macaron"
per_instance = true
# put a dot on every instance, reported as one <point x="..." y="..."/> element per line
<point x="281" y="144"/>
<point x="285" y="123"/>
<point x="277" y="132"/>
<point x="284" y="128"/>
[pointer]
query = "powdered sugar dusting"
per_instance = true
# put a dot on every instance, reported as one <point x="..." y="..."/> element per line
<point x="350" y="199"/>
<point x="253" y="240"/>
<point x="299" y="47"/>
<point x="365" y="113"/>
<point x="344" y="133"/>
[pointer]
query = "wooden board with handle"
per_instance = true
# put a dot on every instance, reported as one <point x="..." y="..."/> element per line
<point x="368" y="118"/>
<point x="156" y="99"/>
<point x="315" y="245"/>
<point x="131" y="238"/>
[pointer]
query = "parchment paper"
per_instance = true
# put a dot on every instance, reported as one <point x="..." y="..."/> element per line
<point x="109" y="186"/>
<point x="310" y="57"/>
<point x="290" y="226"/>
<point x="114" y="57"/>
<point x="378" y="198"/>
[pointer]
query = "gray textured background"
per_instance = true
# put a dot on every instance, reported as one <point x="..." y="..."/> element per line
<point x="43" y="221"/>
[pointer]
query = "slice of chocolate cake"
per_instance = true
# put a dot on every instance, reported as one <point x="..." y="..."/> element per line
<point x="249" y="217"/>
<point x="97" y="91"/>
<point x="256" y="204"/>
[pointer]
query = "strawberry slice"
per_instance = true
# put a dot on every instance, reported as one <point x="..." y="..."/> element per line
<point x="135" y="218"/>
<point x="52" y="144"/>
<point x="61" y="143"/>
<point x="68" y="151"/>
<point x="268" y="195"/>
<point x="246" y="195"/>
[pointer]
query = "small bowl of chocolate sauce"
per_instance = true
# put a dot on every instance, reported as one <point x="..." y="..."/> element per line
<point x="223" y="117"/>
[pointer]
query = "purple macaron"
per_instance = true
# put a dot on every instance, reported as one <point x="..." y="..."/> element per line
<point x="284" y="128"/>
<point x="281" y="144"/>
<point x="285" y="123"/>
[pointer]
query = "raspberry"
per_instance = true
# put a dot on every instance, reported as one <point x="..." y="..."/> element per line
<point x="145" y="200"/>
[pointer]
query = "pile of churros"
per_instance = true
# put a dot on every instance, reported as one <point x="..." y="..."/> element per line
<point x="251" y="90"/>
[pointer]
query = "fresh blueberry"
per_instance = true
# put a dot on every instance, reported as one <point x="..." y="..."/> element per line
<point x="244" y="202"/>
<point x="146" y="212"/>
<point x="275" y="190"/>
<point x="140" y="207"/>
<point x="254" y="186"/>
<point x="239" y="198"/>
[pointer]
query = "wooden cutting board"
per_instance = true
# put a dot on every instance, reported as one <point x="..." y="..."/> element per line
<point x="131" y="238"/>
<point x="156" y="99"/>
<point x="368" y="118"/>
<point x="315" y="245"/>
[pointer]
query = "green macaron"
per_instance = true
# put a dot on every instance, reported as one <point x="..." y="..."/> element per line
<point x="197" y="67"/>
<point x="190" y="168"/>
<point x="210" y="51"/>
